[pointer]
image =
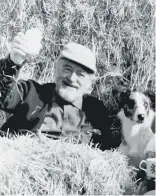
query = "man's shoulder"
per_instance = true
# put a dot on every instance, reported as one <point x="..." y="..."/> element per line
<point x="44" y="91"/>
<point x="88" y="99"/>
<point x="41" y="87"/>
<point x="42" y="84"/>
<point x="48" y="86"/>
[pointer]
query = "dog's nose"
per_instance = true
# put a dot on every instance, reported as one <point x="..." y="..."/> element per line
<point x="141" y="117"/>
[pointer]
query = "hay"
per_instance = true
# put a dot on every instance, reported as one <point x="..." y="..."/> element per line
<point x="62" y="168"/>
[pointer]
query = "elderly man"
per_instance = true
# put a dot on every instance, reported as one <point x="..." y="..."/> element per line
<point x="60" y="109"/>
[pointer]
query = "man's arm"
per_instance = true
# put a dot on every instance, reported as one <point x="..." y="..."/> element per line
<point x="98" y="115"/>
<point x="106" y="140"/>
<point x="8" y="73"/>
<point x="12" y="91"/>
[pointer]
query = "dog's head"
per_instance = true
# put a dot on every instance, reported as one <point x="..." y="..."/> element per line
<point x="136" y="105"/>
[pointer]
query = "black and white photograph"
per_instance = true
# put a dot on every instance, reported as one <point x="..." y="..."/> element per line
<point x="77" y="97"/>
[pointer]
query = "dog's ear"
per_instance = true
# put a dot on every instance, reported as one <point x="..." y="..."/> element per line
<point x="121" y="93"/>
<point x="151" y="95"/>
<point x="121" y="96"/>
<point x="124" y="95"/>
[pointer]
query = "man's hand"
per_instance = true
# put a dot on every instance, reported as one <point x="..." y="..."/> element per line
<point x="25" y="45"/>
<point x="19" y="49"/>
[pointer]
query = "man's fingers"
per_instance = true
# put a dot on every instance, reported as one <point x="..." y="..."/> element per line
<point x="17" y="46"/>
<point x="21" y="36"/>
<point x="21" y="41"/>
<point x="18" y="51"/>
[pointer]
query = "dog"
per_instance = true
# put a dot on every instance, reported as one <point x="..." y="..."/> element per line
<point x="137" y="116"/>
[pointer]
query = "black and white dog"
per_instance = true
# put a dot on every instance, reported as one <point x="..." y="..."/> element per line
<point x="137" y="116"/>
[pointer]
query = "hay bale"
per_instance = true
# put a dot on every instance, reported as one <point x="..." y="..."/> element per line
<point x="62" y="168"/>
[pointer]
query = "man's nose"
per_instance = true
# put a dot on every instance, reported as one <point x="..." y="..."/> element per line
<point x="72" y="77"/>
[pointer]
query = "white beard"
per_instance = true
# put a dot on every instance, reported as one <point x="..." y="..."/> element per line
<point x="68" y="94"/>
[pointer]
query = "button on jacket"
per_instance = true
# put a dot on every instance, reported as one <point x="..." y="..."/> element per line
<point x="37" y="107"/>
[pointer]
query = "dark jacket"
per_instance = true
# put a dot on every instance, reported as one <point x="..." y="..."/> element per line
<point x="31" y="101"/>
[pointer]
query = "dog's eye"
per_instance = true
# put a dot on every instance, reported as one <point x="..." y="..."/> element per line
<point x="146" y="105"/>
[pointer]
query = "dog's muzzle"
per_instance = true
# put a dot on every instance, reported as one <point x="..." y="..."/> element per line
<point x="141" y="118"/>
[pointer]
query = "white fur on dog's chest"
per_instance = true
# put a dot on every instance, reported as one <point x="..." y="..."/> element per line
<point x="131" y="132"/>
<point x="135" y="135"/>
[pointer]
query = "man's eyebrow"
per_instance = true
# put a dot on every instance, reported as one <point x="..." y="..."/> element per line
<point x="66" y="65"/>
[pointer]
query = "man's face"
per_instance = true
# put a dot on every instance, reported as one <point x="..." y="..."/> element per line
<point x="72" y="81"/>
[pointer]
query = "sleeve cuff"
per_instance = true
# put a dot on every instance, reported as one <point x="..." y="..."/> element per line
<point x="10" y="67"/>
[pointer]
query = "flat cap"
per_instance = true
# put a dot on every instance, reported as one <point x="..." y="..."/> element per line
<point x="79" y="54"/>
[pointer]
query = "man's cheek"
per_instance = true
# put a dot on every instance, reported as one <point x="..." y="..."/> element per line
<point x="59" y="81"/>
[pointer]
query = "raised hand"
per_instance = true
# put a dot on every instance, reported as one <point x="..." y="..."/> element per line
<point x="25" y="45"/>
